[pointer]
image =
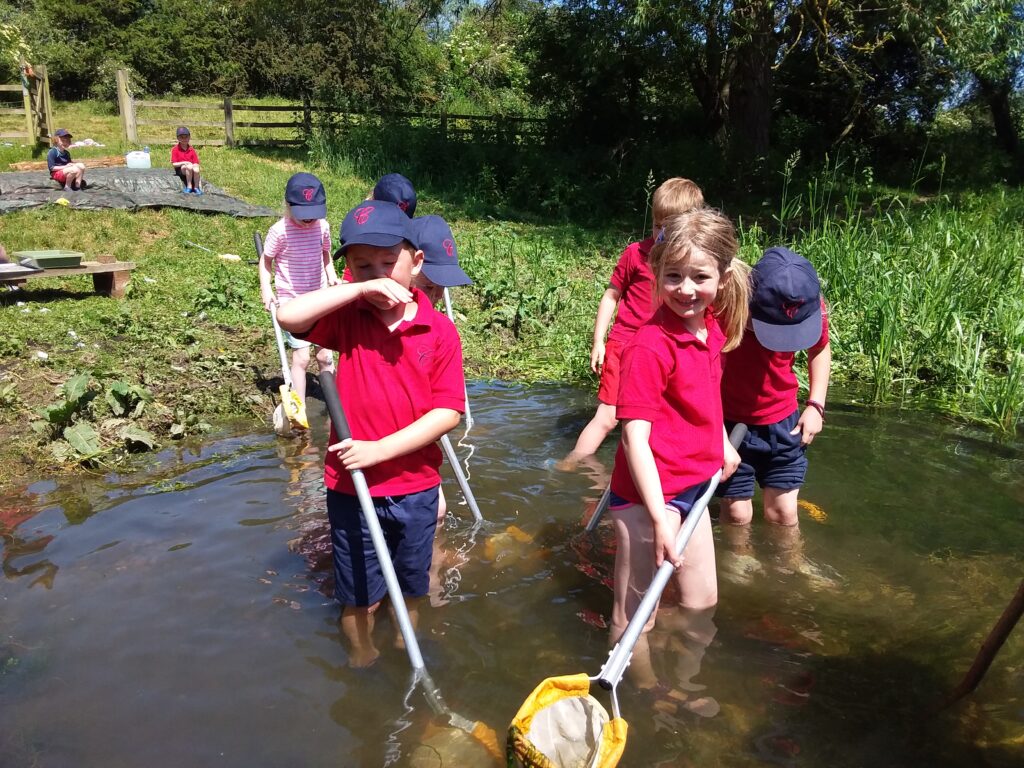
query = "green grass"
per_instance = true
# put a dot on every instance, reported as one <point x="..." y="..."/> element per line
<point x="926" y="298"/>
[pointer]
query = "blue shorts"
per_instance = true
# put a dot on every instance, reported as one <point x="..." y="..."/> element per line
<point x="408" y="523"/>
<point x="682" y="503"/>
<point x="769" y="455"/>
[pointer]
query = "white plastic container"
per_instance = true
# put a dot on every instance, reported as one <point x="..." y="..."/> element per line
<point x="138" y="160"/>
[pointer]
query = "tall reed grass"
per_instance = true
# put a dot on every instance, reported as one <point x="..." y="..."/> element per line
<point x="926" y="297"/>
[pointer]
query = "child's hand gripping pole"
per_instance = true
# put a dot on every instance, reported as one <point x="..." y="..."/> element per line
<point x="376" y="534"/>
<point x="619" y="658"/>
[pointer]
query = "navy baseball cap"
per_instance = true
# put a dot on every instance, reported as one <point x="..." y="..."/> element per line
<point x="434" y="237"/>
<point x="306" y="197"/>
<point x="62" y="132"/>
<point x="785" y="309"/>
<point x="183" y="131"/>
<point x="395" y="188"/>
<point x="375" y="222"/>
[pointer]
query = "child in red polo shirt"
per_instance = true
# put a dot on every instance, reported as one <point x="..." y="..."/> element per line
<point x="185" y="162"/>
<point x="669" y="400"/>
<point x="401" y="385"/>
<point x="759" y="388"/>
<point x="631" y="291"/>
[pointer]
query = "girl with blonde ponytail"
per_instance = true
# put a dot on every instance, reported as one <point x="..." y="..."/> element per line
<point x="670" y="404"/>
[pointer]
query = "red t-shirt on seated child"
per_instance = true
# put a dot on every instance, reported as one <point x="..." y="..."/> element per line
<point x="187" y="156"/>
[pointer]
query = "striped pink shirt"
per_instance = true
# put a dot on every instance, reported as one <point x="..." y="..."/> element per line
<point x="298" y="254"/>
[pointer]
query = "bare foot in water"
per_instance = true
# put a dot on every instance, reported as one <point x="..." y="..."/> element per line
<point x="360" y="658"/>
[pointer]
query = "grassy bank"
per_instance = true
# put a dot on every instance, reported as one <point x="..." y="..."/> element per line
<point x="926" y="298"/>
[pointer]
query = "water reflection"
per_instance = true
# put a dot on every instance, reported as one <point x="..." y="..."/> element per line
<point x="193" y="623"/>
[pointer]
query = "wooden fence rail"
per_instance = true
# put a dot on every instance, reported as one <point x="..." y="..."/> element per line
<point x="450" y="126"/>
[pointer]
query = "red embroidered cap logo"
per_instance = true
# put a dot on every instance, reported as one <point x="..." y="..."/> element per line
<point x="363" y="215"/>
<point x="404" y="205"/>
<point x="308" y="194"/>
<point x="791" y="308"/>
<point x="449" y="247"/>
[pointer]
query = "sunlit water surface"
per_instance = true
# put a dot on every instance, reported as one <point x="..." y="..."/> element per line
<point x="181" y="616"/>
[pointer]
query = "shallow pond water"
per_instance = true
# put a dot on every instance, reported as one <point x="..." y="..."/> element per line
<point x="181" y="616"/>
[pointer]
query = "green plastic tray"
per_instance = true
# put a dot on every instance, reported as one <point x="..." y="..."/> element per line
<point x="52" y="259"/>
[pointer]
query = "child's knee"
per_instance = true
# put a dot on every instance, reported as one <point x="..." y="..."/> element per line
<point x="325" y="358"/>
<point x="736" y="511"/>
<point x="301" y="357"/>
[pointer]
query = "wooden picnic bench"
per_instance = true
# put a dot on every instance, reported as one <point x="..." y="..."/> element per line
<point x="108" y="279"/>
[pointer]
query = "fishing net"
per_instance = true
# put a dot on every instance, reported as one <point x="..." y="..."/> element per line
<point x="560" y="725"/>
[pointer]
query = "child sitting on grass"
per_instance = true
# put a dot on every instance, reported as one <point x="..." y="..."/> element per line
<point x="631" y="291"/>
<point x="185" y="162"/>
<point x="62" y="170"/>
<point x="400" y="383"/>
<point x="298" y="253"/>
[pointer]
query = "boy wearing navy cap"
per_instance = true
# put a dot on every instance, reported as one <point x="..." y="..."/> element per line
<point x="400" y="382"/>
<point x="759" y="388"/>
<point x="440" y="257"/>
<point x="395" y="188"/>
<point x="62" y="169"/>
<point x="185" y="162"/>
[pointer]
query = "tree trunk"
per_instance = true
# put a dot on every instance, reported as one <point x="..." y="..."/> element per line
<point x="997" y="96"/>
<point x="750" y="91"/>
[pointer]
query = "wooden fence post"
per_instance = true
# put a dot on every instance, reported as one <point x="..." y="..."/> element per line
<point x="444" y="126"/>
<point x="26" y="97"/>
<point x="126" y="105"/>
<point x="44" y="89"/>
<point x="229" y="122"/>
<point x="307" y="117"/>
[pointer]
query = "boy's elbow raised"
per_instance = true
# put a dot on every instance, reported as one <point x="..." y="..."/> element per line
<point x="450" y="419"/>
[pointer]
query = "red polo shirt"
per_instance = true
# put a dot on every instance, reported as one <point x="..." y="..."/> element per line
<point x="759" y="386"/>
<point x="184" y="156"/>
<point x="673" y="380"/>
<point x="632" y="277"/>
<point x="386" y="381"/>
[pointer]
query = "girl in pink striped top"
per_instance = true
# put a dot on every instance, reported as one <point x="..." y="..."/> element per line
<point x="298" y="252"/>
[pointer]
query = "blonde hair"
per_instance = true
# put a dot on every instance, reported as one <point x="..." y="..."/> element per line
<point x="712" y="233"/>
<point x="676" y="195"/>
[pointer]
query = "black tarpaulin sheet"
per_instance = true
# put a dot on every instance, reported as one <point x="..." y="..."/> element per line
<point x="127" y="188"/>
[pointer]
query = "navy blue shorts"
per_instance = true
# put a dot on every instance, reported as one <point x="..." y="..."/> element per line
<point x="681" y="503"/>
<point x="769" y="455"/>
<point x="408" y="523"/>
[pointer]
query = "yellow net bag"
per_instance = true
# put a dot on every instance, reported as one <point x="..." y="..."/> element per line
<point x="560" y="725"/>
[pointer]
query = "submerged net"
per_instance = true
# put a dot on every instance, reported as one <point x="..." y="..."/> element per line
<point x="560" y="725"/>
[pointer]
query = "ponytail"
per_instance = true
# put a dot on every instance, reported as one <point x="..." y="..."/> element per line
<point x="733" y="303"/>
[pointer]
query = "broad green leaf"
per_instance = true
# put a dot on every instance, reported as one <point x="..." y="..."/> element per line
<point x="138" y="439"/>
<point x="76" y="387"/>
<point x="83" y="438"/>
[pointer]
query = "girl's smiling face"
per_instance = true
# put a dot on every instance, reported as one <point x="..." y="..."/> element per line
<point x="689" y="287"/>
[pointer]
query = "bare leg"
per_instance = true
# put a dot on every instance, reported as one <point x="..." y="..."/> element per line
<point x="325" y="360"/>
<point x="697" y="580"/>
<point x="738" y="560"/>
<point x="357" y="625"/>
<point x="412" y="605"/>
<point x="189" y="176"/>
<point x="442" y="506"/>
<point x="634" y="565"/>
<point x="300" y="362"/>
<point x="592" y="436"/>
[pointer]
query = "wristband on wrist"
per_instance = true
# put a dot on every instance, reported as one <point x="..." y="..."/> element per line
<point x="819" y="407"/>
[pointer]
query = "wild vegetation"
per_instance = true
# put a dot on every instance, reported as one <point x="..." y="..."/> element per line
<point x="876" y="144"/>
